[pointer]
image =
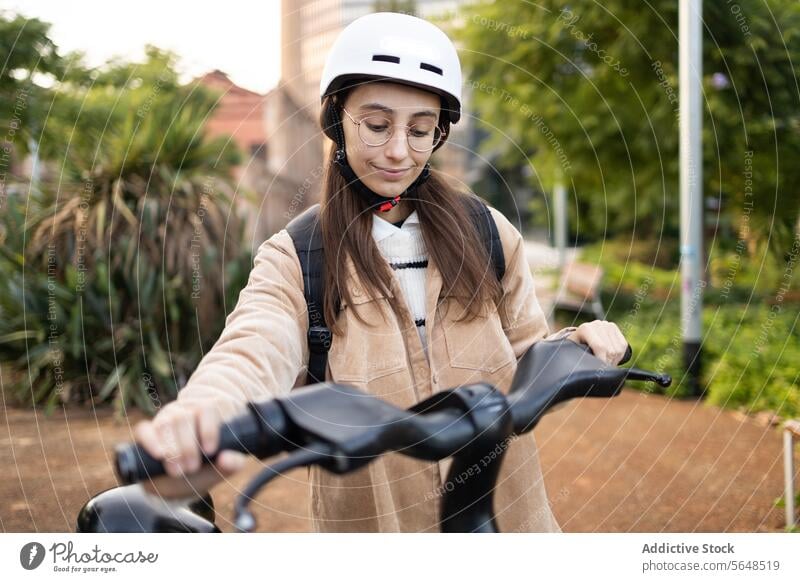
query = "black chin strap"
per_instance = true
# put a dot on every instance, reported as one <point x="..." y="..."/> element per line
<point x="373" y="199"/>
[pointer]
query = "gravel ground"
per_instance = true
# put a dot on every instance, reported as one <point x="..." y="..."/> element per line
<point x="637" y="463"/>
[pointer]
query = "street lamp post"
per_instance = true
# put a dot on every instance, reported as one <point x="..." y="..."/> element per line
<point x="690" y="42"/>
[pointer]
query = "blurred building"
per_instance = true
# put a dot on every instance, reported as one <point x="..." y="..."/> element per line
<point x="280" y="145"/>
<point x="240" y="113"/>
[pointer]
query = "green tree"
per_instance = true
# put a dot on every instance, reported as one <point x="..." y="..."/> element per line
<point x="587" y="92"/>
<point x="29" y="54"/>
<point x="27" y="49"/>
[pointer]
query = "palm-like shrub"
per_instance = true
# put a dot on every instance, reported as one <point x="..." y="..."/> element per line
<point x="116" y="274"/>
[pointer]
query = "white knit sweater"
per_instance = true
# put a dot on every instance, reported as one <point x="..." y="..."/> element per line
<point x="404" y="249"/>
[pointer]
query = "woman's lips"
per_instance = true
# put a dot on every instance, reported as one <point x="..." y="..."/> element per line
<point x="388" y="174"/>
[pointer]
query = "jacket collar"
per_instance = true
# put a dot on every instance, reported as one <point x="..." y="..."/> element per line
<point x="382" y="228"/>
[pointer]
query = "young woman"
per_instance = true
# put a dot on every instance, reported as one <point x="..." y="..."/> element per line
<point x="411" y="296"/>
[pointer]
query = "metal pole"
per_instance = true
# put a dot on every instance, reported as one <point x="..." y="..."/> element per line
<point x="690" y="47"/>
<point x="788" y="475"/>
<point x="560" y="211"/>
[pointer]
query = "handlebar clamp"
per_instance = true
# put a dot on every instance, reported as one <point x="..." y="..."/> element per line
<point x="487" y="408"/>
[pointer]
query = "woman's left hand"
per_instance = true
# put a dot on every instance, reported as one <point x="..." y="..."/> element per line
<point x="604" y="338"/>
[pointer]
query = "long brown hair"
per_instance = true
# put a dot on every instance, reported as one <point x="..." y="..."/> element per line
<point x="451" y="239"/>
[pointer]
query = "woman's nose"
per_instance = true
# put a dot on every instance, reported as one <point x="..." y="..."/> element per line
<point x="397" y="146"/>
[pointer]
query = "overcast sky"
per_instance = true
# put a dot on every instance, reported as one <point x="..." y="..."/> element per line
<point x="239" y="37"/>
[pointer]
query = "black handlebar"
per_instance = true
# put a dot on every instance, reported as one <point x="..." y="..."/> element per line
<point x="358" y="427"/>
<point x="342" y="428"/>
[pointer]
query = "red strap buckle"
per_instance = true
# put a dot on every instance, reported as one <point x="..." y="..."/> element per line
<point x="387" y="206"/>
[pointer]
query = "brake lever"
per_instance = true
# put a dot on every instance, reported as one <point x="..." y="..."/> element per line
<point x="312" y="454"/>
<point x="626" y="357"/>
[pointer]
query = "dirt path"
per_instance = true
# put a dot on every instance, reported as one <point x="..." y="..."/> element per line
<point x="637" y="463"/>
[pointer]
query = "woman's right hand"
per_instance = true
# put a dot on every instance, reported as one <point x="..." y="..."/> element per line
<point x="176" y="436"/>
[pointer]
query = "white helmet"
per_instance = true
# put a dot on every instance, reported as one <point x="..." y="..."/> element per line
<point x="398" y="47"/>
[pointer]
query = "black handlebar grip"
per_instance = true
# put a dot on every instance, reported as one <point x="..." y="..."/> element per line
<point x="259" y="432"/>
<point x="134" y="464"/>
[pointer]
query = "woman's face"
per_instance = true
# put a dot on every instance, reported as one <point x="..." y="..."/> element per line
<point x="383" y="107"/>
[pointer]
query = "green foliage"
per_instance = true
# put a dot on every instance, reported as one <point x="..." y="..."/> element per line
<point x="751" y="352"/>
<point x="754" y="358"/>
<point x="26" y="48"/>
<point x="735" y="275"/>
<point x="116" y="274"/>
<point x="27" y="51"/>
<point x="751" y="356"/>
<point x="135" y="119"/>
<point x="586" y="93"/>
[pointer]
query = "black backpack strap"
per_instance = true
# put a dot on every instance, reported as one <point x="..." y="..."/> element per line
<point x="306" y="234"/>
<point x="487" y="228"/>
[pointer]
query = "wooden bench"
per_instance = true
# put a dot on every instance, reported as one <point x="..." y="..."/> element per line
<point x="579" y="289"/>
<point x="791" y="431"/>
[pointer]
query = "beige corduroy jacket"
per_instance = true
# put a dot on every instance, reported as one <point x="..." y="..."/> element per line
<point x="263" y="353"/>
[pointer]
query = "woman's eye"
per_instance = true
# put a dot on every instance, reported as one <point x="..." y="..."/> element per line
<point x="376" y="124"/>
<point x="419" y="132"/>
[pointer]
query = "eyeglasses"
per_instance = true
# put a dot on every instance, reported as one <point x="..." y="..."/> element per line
<point x="377" y="130"/>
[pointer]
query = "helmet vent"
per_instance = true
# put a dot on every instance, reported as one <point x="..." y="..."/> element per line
<point x="386" y="58"/>
<point x="431" y="68"/>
